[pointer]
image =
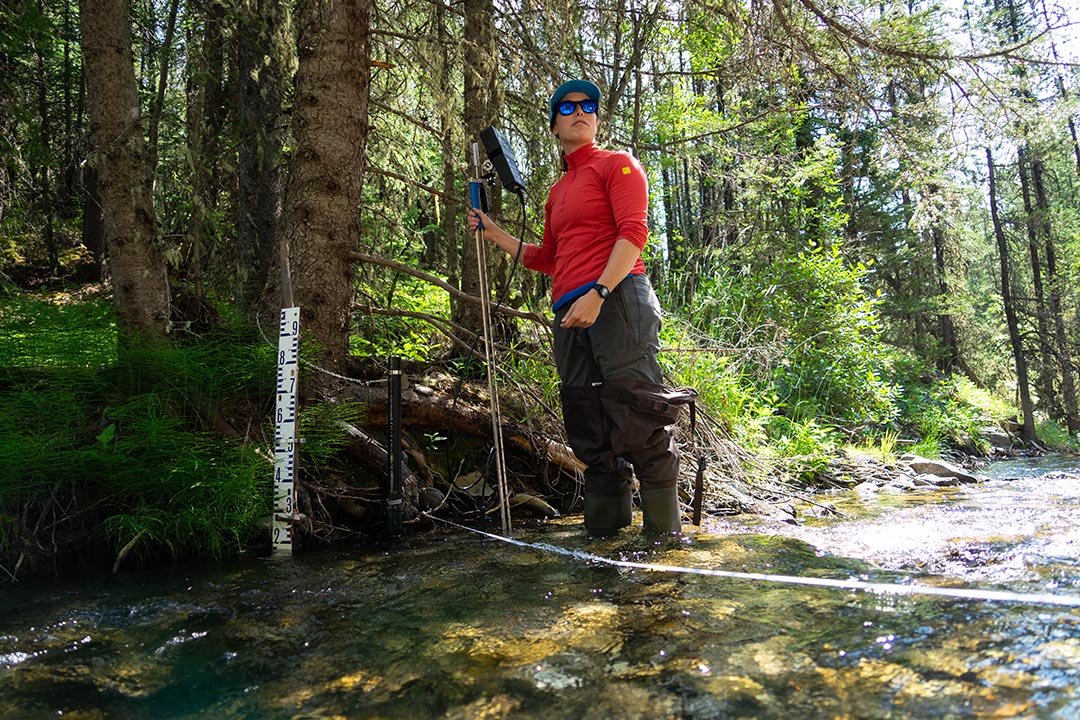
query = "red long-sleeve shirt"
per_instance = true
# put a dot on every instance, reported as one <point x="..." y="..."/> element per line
<point x="602" y="197"/>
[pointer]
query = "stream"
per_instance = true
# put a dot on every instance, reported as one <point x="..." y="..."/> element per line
<point x="452" y="624"/>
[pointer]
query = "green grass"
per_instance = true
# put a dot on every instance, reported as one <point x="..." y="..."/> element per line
<point x="145" y="456"/>
<point x="58" y="331"/>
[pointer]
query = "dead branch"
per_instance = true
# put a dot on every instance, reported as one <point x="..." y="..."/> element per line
<point x="439" y="282"/>
<point x="438" y="323"/>
<point x="376" y="457"/>
<point x="405" y="179"/>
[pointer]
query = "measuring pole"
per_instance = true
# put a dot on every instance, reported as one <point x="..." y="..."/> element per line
<point x="476" y="188"/>
<point x="281" y="537"/>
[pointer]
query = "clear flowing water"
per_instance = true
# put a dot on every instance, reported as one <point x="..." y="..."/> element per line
<point x="450" y="624"/>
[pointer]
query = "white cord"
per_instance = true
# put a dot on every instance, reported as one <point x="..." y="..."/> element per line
<point x="871" y="587"/>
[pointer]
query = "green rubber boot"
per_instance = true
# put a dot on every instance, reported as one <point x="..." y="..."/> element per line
<point x="661" y="514"/>
<point x="607" y="514"/>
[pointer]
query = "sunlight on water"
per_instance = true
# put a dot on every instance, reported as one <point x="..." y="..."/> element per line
<point x="451" y="625"/>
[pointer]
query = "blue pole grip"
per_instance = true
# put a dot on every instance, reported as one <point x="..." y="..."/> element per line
<point x="476" y="196"/>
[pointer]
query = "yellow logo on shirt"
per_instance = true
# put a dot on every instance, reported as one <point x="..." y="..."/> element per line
<point x="626" y="171"/>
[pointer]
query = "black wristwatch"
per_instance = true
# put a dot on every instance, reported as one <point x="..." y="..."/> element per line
<point x="601" y="290"/>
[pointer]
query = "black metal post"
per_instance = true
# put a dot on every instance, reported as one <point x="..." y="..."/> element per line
<point x="393" y="460"/>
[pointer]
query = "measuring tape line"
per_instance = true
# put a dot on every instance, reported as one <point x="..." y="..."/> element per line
<point x="872" y="587"/>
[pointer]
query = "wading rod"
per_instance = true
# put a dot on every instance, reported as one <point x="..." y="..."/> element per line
<point x="476" y="189"/>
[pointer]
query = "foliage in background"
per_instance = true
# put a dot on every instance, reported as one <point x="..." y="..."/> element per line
<point x="156" y="452"/>
<point x="411" y="338"/>
<point x="815" y="332"/>
<point x="320" y="427"/>
<point x="834" y="360"/>
<point x="1055" y="437"/>
<point x="67" y="331"/>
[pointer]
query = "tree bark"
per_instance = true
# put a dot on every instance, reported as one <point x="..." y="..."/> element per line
<point x="93" y="224"/>
<point x="482" y="103"/>
<point x="1061" y="350"/>
<point x="1027" y="430"/>
<point x="1046" y="388"/>
<point x="163" y="83"/>
<point x="448" y="141"/>
<point x="205" y="117"/>
<point x="140" y="285"/>
<point x="1063" y="92"/>
<point x="323" y="192"/>
<point x="949" y="359"/>
<point x="443" y="411"/>
<point x="67" y="194"/>
<point x="44" y="171"/>
<point x="262" y="64"/>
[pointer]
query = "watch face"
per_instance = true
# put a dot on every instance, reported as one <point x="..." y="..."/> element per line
<point x="601" y="291"/>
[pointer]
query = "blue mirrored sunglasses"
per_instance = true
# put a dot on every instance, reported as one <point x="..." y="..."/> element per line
<point x="567" y="107"/>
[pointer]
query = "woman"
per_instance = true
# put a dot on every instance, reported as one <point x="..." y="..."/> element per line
<point x="607" y="319"/>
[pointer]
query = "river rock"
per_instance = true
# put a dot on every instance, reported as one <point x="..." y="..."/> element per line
<point x="1010" y="425"/>
<point x="900" y="482"/>
<point x="996" y="436"/>
<point x="924" y="466"/>
<point x="937" y="480"/>
<point x="867" y="488"/>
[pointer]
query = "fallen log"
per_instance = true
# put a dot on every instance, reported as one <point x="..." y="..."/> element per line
<point x="440" y="412"/>
<point x="371" y="452"/>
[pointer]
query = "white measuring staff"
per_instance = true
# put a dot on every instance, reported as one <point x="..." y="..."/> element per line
<point x="285" y="430"/>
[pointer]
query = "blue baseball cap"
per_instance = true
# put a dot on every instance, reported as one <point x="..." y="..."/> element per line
<point x="582" y="86"/>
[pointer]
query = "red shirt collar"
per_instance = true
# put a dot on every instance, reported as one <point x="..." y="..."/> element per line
<point x="582" y="154"/>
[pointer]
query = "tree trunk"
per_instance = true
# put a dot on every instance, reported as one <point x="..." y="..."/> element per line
<point x="321" y="221"/>
<point x="140" y="285"/>
<point x="1027" y="431"/>
<point x="261" y="62"/>
<point x="481" y="110"/>
<point x="1046" y="388"/>
<point x="67" y="192"/>
<point x="1062" y="91"/>
<point x="44" y="171"/>
<point x="950" y="356"/>
<point x="803" y="132"/>
<point x="1061" y="350"/>
<point x="205" y="116"/>
<point x="93" y="224"/>
<point x="451" y="204"/>
<point x="163" y="83"/>
<point x="196" y="153"/>
<point x="674" y="261"/>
